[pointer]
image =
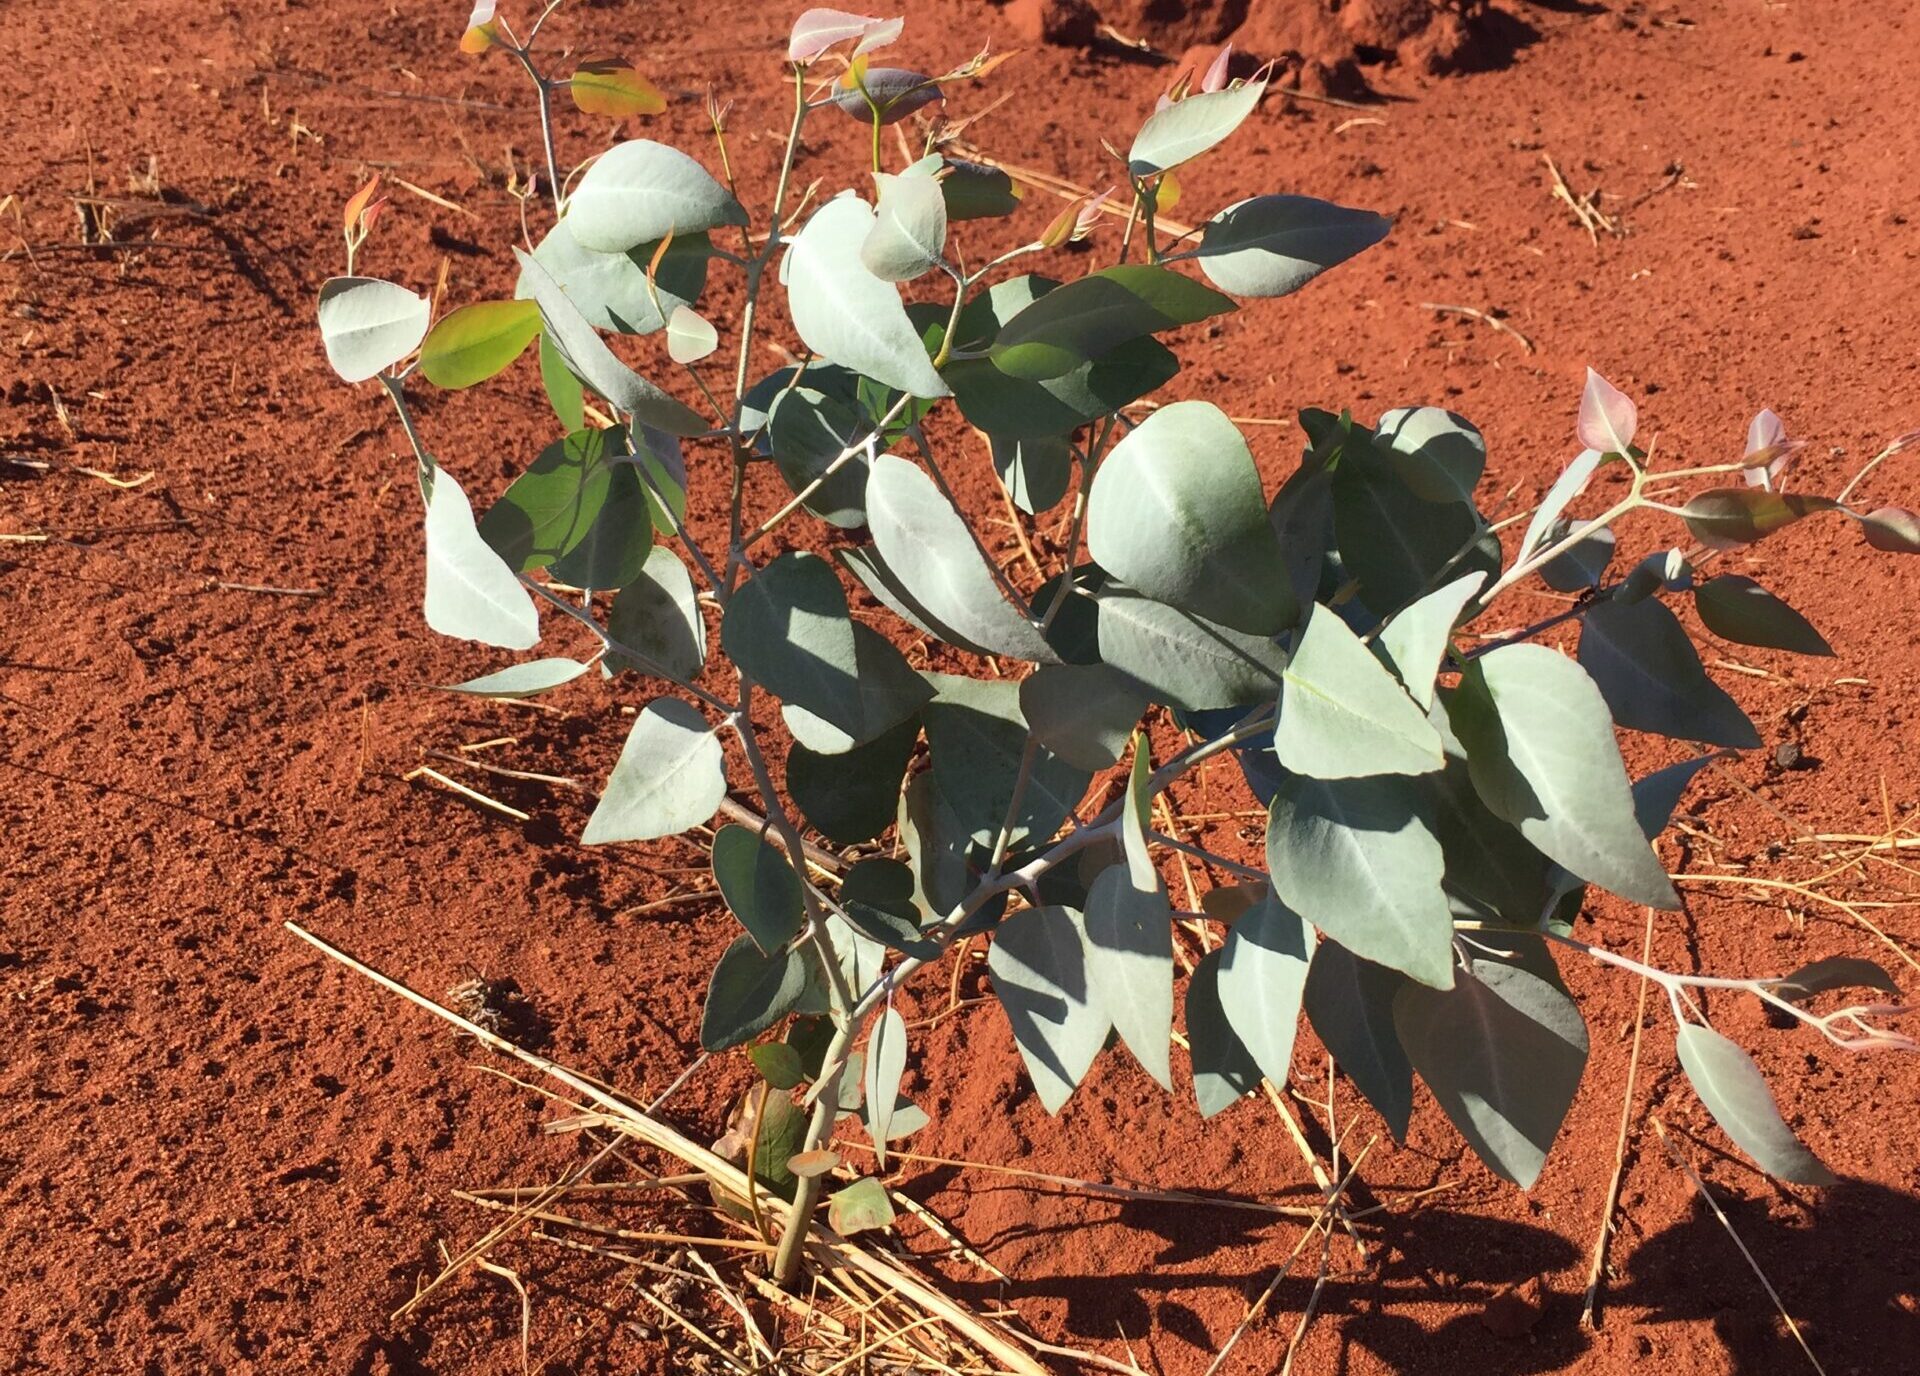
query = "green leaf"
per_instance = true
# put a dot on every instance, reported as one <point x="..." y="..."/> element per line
<point x="759" y="886"/>
<point x="1541" y="752"/>
<point x="886" y="1063"/>
<point x="657" y="616"/>
<point x="611" y="87"/>
<point x="671" y="775"/>
<point x="639" y="192"/>
<point x="1273" y="245"/>
<point x="975" y="191"/>
<point x="1263" y="973"/>
<point x="860" y="1207"/>
<point x="1343" y="714"/>
<point x="1652" y="679"/>
<point x="936" y="845"/>
<point x="909" y="227"/>
<point x="1350" y="1003"/>
<point x="1188" y="128"/>
<point x="1573" y="481"/>
<point x="975" y="737"/>
<point x="549" y="509"/>
<point x="890" y="693"/>
<point x="1223" y="1070"/>
<point x="472" y="594"/>
<point x="1092" y="316"/>
<point x="1083" y="713"/>
<point x="808" y="430"/>
<point x="843" y="312"/>
<point x="779" y="1064"/>
<point x="789" y="628"/>
<point x="1036" y="472"/>
<point x="368" y="325"/>
<point x="564" y="393"/>
<point x="611" y="289"/>
<point x="850" y="797"/>
<point x="931" y="556"/>
<point x="1038" y="962"/>
<point x="1736" y="1094"/>
<point x="877" y="896"/>
<point x="478" y="341"/>
<point x="1129" y="933"/>
<point x="616" y="546"/>
<point x="1503" y="1051"/>
<point x="1184" y="660"/>
<point x="1176" y="513"/>
<point x="1391" y="540"/>
<point x="1729" y="517"/>
<point x="520" y="680"/>
<point x="1439" y="456"/>
<point x="586" y="354"/>
<point x="1740" y="610"/>
<point x="1583" y="565"/>
<point x="893" y="92"/>
<point x="750" y="992"/>
<point x="1418" y="637"/>
<point x="1834" y="972"/>
<point x="1356" y="858"/>
<point x="782" y="1128"/>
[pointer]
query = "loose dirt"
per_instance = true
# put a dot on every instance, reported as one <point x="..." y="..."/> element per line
<point x="220" y="1154"/>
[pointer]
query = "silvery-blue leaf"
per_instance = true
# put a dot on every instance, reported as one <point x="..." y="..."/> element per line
<point x="1273" y="245"/>
<point x="521" y="680"/>
<point x="368" y="325"/>
<point x="1039" y="966"/>
<point x="1189" y="127"/>
<point x="471" y="593"/>
<point x="671" y="775"/>
<point x="639" y="192"/>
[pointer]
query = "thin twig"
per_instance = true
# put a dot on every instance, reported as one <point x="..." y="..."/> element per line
<point x="1597" y="1269"/>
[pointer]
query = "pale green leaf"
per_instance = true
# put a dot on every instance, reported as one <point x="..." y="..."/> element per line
<point x="1736" y="1094"/>
<point x="1418" y="637"/>
<point x="1263" y="973"/>
<point x="1038" y="961"/>
<point x="909" y="227"/>
<point x="671" y="775"/>
<point x="639" y="192"/>
<point x="471" y="594"/>
<point x="1188" y="128"/>
<point x="368" y="325"/>
<point x="521" y="680"/>
<point x="1090" y="317"/>
<point x="1273" y="245"/>
<point x="477" y="341"/>
<point x="1342" y="713"/>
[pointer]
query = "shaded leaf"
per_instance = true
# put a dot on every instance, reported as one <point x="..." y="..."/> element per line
<point x="889" y="694"/>
<point x="1893" y="529"/>
<point x="1223" y="1070"/>
<point x="760" y="887"/>
<point x="781" y="1067"/>
<point x="887" y="93"/>
<point x="1739" y="609"/>
<point x="657" y="615"/>
<point x="1350" y="1003"/>
<point x="1184" y="660"/>
<point x="850" y="797"/>
<point x="1729" y="517"/>
<point x="1652" y="679"/>
<point x="1088" y="318"/>
<point x="976" y="737"/>
<point x="749" y="993"/>
<point x="877" y="896"/>
<point x="1036" y="472"/>
<point x="1129" y="933"/>
<point x="1835" y="972"/>
<point x="1263" y="973"/>
<point x="1083" y="713"/>
<point x="1039" y="966"/>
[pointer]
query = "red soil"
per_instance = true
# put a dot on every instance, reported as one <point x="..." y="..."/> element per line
<point x="219" y="1153"/>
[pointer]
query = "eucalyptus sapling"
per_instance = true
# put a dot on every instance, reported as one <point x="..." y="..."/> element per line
<point x="1438" y="801"/>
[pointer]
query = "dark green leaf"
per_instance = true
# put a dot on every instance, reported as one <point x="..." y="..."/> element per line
<point x="759" y="885"/>
<point x="877" y="896"/>
<point x="1835" y="972"/>
<point x="1036" y="472"/>
<point x="850" y="797"/>
<point x="1082" y="712"/>
<point x="1223" y="1071"/>
<point x="549" y="509"/>
<point x="1350" y="1003"/>
<point x="1090" y="317"/>
<point x="750" y="992"/>
<point x="1740" y="610"/>
<point x="779" y="1064"/>
<point x="1652" y="678"/>
<point x="657" y="616"/>
<point x="976" y="736"/>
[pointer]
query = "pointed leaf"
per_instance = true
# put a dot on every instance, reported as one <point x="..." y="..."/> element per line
<point x="759" y="886"/>
<point x="1130" y="965"/>
<point x="1503" y="1051"/>
<point x="1038" y="961"/>
<point x="1651" y="676"/>
<point x="1740" y="610"/>
<point x="1893" y="529"/>
<point x="1176" y="512"/>
<point x="611" y="87"/>
<point x="1356" y="858"/>
<point x="477" y="341"/>
<point x="548" y="510"/>
<point x="1350" y="1003"/>
<point x="976" y="737"/>
<point x="1541" y="752"/>
<point x="850" y="797"/>
<point x="1570" y="484"/>
<point x="471" y="592"/>
<point x="1036" y="472"/>
<point x="1439" y="455"/>
<point x="888" y="694"/>
<point x="877" y="896"/>
<point x="639" y="192"/>
<point x="749" y="993"/>
<point x="816" y="30"/>
<point x="671" y="775"/>
<point x="520" y="680"/>
<point x="1418" y="637"/>
<point x="1188" y="128"/>
<point x="1342" y="713"/>
<point x="1835" y="972"/>
<point x="1736" y="1094"/>
<point x="888" y="94"/>
<point x="690" y="336"/>
<point x="846" y="314"/>
<point x="1729" y="517"/>
<point x="368" y="325"/>
<point x="1223" y="1070"/>
<point x="1263" y="973"/>
<point x="611" y="289"/>
<point x="886" y="1063"/>
<point x="1185" y="660"/>
<point x="788" y="627"/>
<point x="1274" y="245"/>
<point x="1608" y="416"/>
<point x="1090" y="317"/>
<point x="588" y="356"/>
<point x="860" y="1207"/>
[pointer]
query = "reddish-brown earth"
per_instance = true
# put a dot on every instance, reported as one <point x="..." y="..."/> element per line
<point x="220" y="1153"/>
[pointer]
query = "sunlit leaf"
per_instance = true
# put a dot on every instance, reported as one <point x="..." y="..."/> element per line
<point x="1190" y="127"/>
<point x="817" y="30"/>
<point x="368" y="325"/>
<point x="1729" y="517"/>
<point x="1184" y="660"/>
<point x="1263" y="973"/>
<point x="471" y="592"/>
<point x="843" y="312"/>
<point x="1418" y="637"/>
<point x="886" y="1063"/>
<point x="1176" y="512"/>
<point x="1608" y="416"/>
<point x="1038" y="962"/>
<point x="612" y="290"/>
<point x="690" y="336"/>
<point x="860" y="1207"/>
<point x="1736" y="1094"/>
<point x="909" y="227"/>
<point x="671" y="775"/>
<point x="521" y="680"/>
<point x="1343" y="714"/>
<point x="639" y="192"/>
<point x="611" y="87"/>
<point x="564" y="393"/>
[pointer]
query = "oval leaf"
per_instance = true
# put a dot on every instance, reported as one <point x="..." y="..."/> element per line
<point x="368" y="325"/>
<point x="1038" y="961"/>
<point x="1088" y="318"/>
<point x="1223" y="1070"/>
<point x="760" y="887"/>
<point x="1188" y="128"/>
<point x="846" y="314"/>
<point x="610" y="86"/>
<point x="639" y="192"/>
<point x="1273" y="245"/>
<point x="1736" y="1094"/>
<point x="478" y="341"/>
<point x="471" y="592"/>
<point x="1177" y="513"/>
<point x="750" y="992"/>
<point x="886" y="1063"/>
<point x="909" y="227"/>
